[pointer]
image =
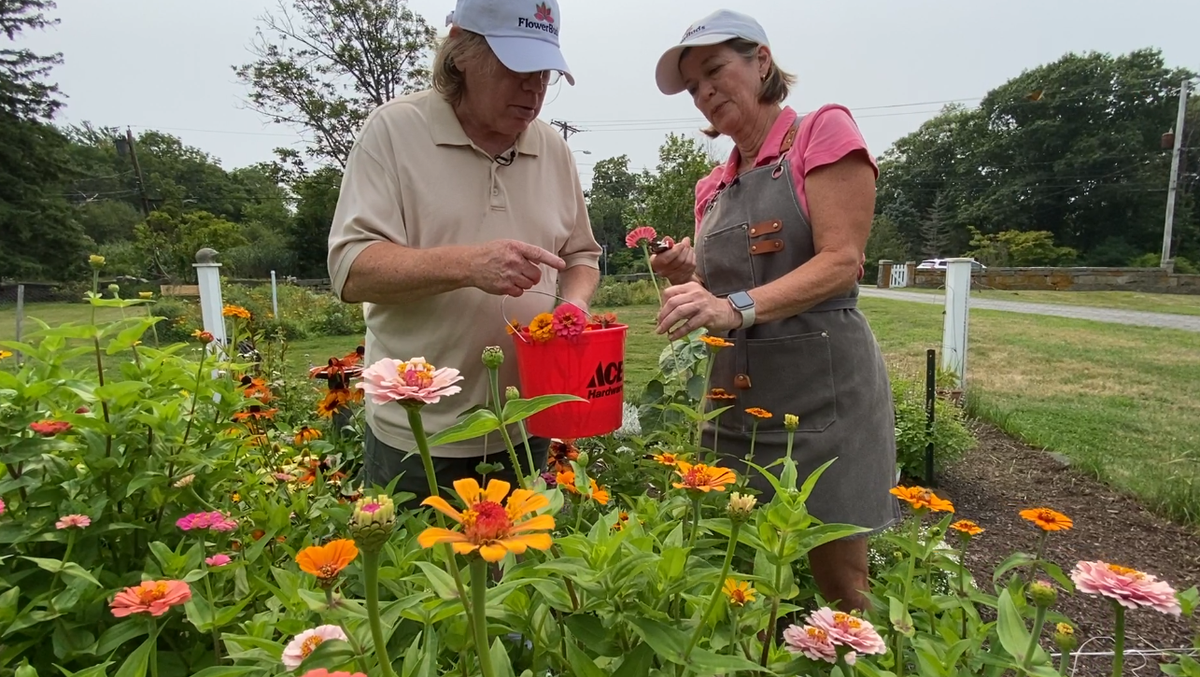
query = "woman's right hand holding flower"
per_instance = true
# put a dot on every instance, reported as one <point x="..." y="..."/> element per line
<point x="677" y="264"/>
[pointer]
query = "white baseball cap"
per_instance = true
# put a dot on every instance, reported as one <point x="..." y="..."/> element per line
<point x="522" y="33"/>
<point x="720" y="26"/>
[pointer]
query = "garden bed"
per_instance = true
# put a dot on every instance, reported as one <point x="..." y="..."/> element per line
<point x="1002" y="476"/>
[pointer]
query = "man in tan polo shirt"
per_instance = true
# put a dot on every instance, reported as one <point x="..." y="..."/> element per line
<point x="452" y="199"/>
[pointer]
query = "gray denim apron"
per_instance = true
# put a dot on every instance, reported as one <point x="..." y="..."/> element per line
<point x="822" y="365"/>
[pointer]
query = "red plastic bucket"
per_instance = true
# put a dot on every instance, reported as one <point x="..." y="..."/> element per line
<point x="592" y="366"/>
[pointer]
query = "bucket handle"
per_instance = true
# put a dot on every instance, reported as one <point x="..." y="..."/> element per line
<point x="533" y="291"/>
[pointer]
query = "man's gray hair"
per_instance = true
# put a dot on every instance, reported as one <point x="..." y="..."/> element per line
<point x="460" y="46"/>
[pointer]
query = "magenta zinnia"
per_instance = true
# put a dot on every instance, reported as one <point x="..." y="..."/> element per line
<point x="413" y="382"/>
<point x="569" y="321"/>
<point x="639" y="235"/>
<point x="206" y="520"/>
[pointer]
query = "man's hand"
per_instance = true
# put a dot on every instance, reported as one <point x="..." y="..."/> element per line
<point x="677" y="264"/>
<point x="509" y="267"/>
<point x="687" y="307"/>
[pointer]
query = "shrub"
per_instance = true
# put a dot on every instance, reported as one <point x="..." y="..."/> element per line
<point x="951" y="437"/>
<point x="613" y="294"/>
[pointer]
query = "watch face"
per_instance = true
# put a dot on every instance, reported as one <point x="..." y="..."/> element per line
<point x="741" y="300"/>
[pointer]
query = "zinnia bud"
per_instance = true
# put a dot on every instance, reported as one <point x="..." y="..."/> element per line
<point x="1064" y="637"/>
<point x="512" y="393"/>
<point x="791" y="422"/>
<point x="96" y="261"/>
<point x="184" y="481"/>
<point x="493" y="357"/>
<point x="741" y="506"/>
<point x="1043" y="594"/>
<point x="373" y="521"/>
<point x="114" y="289"/>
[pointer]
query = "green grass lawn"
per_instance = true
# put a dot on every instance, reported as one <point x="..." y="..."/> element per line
<point x="55" y="314"/>
<point x="1122" y="402"/>
<point x="1179" y="304"/>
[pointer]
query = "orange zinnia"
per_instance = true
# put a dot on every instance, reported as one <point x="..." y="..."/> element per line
<point x="922" y="499"/>
<point x="720" y="394"/>
<point x="667" y="458"/>
<point x="757" y="412"/>
<point x="702" y="477"/>
<point x="566" y="480"/>
<point x="327" y="561"/>
<point x="1047" y="519"/>
<point x="487" y="526"/>
<point x="967" y="527"/>
<point x="716" y="342"/>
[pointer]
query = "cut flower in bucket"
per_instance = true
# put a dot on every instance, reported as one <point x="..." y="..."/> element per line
<point x="487" y="526"/>
<point x="567" y="322"/>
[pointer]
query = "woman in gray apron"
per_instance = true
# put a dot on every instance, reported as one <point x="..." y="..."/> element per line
<point x="781" y="229"/>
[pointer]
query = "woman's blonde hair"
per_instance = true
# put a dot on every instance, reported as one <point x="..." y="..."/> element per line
<point x="460" y="46"/>
<point x="775" y="86"/>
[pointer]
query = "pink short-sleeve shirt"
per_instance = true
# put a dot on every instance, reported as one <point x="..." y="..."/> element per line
<point x="825" y="136"/>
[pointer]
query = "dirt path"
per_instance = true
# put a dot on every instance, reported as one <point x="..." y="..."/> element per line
<point x="1002" y="476"/>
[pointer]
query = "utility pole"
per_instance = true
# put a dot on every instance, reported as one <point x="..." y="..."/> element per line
<point x="566" y="127"/>
<point x="1173" y="185"/>
<point x="137" y="170"/>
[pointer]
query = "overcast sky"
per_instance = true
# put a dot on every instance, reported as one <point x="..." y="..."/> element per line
<point x="165" y="64"/>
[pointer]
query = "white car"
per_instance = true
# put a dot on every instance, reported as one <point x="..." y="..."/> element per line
<point x="940" y="264"/>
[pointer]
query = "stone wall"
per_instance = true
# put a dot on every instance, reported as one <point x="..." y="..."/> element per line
<point x="1151" y="280"/>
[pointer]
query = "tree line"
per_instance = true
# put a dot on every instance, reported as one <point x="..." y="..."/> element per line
<point x="1063" y="164"/>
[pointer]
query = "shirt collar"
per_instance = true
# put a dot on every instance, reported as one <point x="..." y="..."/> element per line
<point x="446" y="130"/>
<point x="769" y="152"/>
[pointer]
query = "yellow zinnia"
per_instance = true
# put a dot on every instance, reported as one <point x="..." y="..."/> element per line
<point x="487" y="526"/>
<point x="542" y="328"/>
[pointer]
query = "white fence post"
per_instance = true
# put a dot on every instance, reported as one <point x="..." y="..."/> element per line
<point x="274" y="297"/>
<point x="20" y="318"/>
<point x="208" y="277"/>
<point x="954" y="328"/>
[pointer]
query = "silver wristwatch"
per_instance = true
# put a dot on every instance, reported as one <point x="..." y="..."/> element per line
<point x="744" y="304"/>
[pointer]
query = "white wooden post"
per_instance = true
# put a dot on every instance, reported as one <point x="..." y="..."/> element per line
<point x="954" y="328"/>
<point x="20" y="318"/>
<point x="208" y="277"/>
<point x="274" y="297"/>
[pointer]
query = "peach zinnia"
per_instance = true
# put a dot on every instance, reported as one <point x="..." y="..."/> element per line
<point x="487" y="526"/>
<point x="413" y="382"/>
<point x="305" y="643"/>
<point x="1047" y="519"/>
<point x="327" y="561"/>
<point x="150" y="597"/>
<point x="701" y="477"/>
<point x="922" y="499"/>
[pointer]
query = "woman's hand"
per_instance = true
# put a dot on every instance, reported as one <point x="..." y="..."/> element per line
<point x="677" y="264"/>
<point x="689" y="306"/>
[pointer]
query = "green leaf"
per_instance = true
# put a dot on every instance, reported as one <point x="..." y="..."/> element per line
<point x="1017" y="559"/>
<point x="710" y="663"/>
<point x="637" y="662"/>
<point x="807" y="487"/>
<point x="590" y="630"/>
<point x="500" y="660"/>
<point x="228" y="671"/>
<point x="114" y="637"/>
<point x="1014" y="636"/>
<point x="899" y="616"/>
<point x="69" y="569"/>
<point x="119" y="390"/>
<point x="478" y="424"/>
<point x="519" y="410"/>
<point x="668" y="642"/>
<point x="139" y="661"/>
<point x="442" y="582"/>
<point x="581" y="665"/>
<point x="1057" y="574"/>
<point x="94" y="671"/>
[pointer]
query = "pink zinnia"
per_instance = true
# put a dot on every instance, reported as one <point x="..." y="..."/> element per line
<point x="849" y="631"/>
<point x="218" y="560"/>
<point x="814" y="643"/>
<point x="569" y="321"/>
<point x="49" y="428"/>
<point x="637" y="235"/>
<point x="1" y="506"/>
<point x="1128" y="587"/>
<point x="76" y="521"/>
<point x="206" y="520"/>
<point x="306" y="642"/>
<point x="150" y="597"/>
<point x="322" y="672"/>
<point x="414" y="381"/>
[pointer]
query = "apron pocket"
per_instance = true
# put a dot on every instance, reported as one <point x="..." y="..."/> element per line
<point x="792" y="375"/>
<point x="726" y="261"/>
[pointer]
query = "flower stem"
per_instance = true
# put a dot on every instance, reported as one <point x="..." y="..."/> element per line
<point x="695" y="521"/>
<point x="1039" y="620"/>
<point x="153" y="647"/>
<point x="479" y="601"/>
<point x="418" y="428"/>
<point x="212" y="605"/>
<point x="773" y="618"/>
<point x="712" y="355"/>
<point x="962" y="583"/>
<point x="371" y="572"/>
<point x="498" y="409"/>
<point x="712" y="601"/>
<point x="654" y="280"/>
<point x="912" y="567"/>
<point x="1119" y="647"/>
<point x="534" y="470"/>
<point x="1037" y="558"/>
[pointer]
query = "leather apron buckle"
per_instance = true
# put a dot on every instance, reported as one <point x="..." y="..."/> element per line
<point x="741" y="382"/>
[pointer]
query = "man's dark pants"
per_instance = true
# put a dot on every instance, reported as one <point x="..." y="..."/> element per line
<point x="382" y="463"/>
